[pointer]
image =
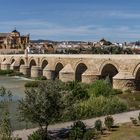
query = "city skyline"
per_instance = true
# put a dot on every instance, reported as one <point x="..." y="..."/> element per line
<point x="85" y="20"/>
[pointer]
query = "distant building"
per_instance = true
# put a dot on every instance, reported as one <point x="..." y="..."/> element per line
<point x="13" y="40"/>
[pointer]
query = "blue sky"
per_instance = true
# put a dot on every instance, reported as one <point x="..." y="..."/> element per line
<point x="89" y="20"/>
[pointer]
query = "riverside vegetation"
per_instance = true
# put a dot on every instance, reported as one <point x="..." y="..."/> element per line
<point x="55" y="101"/>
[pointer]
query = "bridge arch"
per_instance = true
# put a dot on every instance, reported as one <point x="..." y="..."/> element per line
<point x="80" y="69"/>
<point x="108" y="69"/>
<point x="136" y="74"/>
<point x="58" y="67"/>
<point x="32" y="63"/>
<point x="44" y="63"/>
<point x="21" y="62"/>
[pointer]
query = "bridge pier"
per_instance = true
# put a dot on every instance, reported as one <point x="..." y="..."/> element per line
<point x="89" y="77"/>
<point x="49" y="74"/>
<point x="25" y="70"/>
<point x="5" y="66"/>
<point x="124" y="81"/>
<point x="36" y="71"/>
<point x="67" y="74"/>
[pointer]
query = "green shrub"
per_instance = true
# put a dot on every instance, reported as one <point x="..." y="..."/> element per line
<point x="35" y="136"/>
<point x="89" y="134"/>
<point x="98" y="125"/>
<point x="77" y="131"/>
<point x="32" y="84"/>
<point x="5" y="72"/>
<point x="78" y="91"/>
<point x="101" y="88"/>
<point x="16" y="73"/>
<point x="99" y="106"/>
<point x="109" y="122"/>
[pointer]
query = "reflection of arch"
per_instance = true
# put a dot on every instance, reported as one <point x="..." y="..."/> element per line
<point x="109" y="70"/>
<point x="44" y="64"/>
<point x="80" y="69"/>
<point x="32" y="63"/>
<point x="59" y="66"/>
<point x="136" y="74"/>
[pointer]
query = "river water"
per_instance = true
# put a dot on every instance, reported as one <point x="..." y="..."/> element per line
<point x="16" y="86"/>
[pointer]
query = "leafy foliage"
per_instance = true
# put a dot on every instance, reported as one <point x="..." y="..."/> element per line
<point x="42" y="105"/>
<point x="31" y="84"/>
<point x="101" y="88"/>
<point x="77" y="131"/>
<point x="35" y="136"/>
<point x="98" y="125"/>
<point x="89" y="134"/>
<point x="99" y="106"/>
<point x="109" y="121"/>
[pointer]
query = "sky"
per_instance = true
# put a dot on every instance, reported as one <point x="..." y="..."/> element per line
<point x="86" y="20"/>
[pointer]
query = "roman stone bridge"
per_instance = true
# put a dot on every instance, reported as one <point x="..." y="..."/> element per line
<point x="123" y="70"/>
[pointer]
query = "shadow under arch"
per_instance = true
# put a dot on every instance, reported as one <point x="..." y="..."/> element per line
<point x="44" y="64"/>
<point x="80" y="69"/>
<point x="21" y="62"/>
<point x="109" y="70"/>
<point x="32" y="63"/>
<point x="59" y="66"/>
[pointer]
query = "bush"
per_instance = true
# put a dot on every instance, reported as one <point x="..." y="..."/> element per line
<point x="32" y="84"/>
<point x="109" y="122"/>
<point x="5" y="72"/>
<point x="35" y="136"/>
<point x="77" y="131"/>
<point x="99" y="106"/>
<point x="101" y="88"/>
<point x="98" y="125"/>
<point x="89" y="134"/>
<point x="78" y="91"/>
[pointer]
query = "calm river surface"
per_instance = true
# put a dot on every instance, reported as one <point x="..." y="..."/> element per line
<point x="16" y="86"/>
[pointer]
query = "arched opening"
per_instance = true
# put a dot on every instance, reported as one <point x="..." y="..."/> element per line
<point x="44" y="64"/>
<point x="58" y="68"/>
<point x="13" y="60"/>
<point x="32" y="63"/>
<point x="109" y="71"/>
<point x="21" y="62"/>
<point x="81" y="68"/>
<point x="137" y="80"/>
<point x="4" y="59"/>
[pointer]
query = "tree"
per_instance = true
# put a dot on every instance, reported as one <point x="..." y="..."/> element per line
<point x="98" y="125"/>
<point x="43" y="105"/>
<point x="109" y="121"/>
